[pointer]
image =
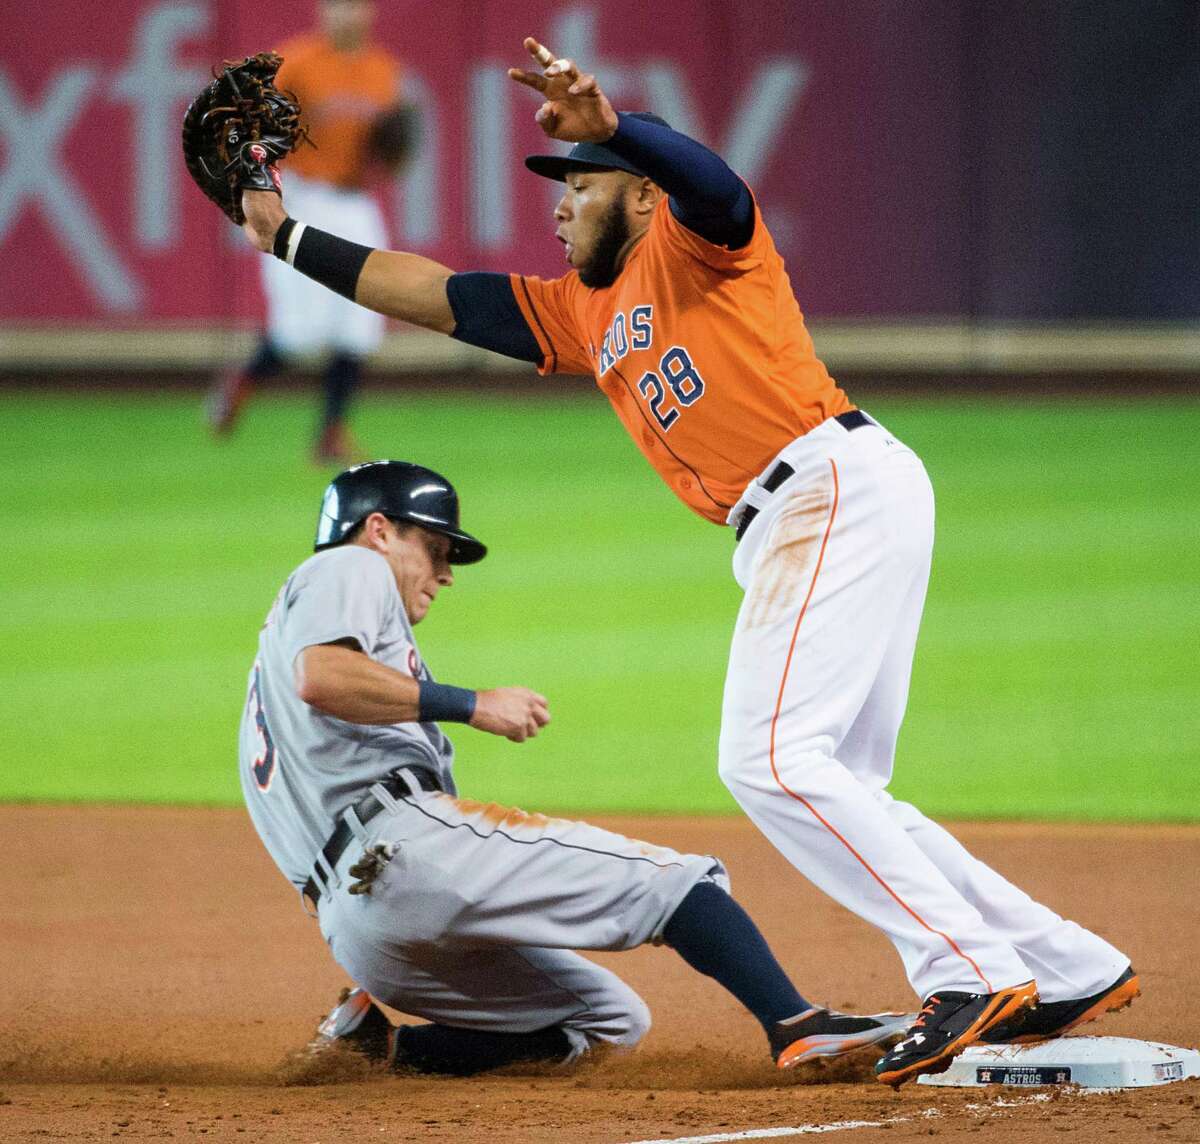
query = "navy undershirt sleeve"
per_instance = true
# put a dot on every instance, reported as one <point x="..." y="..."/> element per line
<point x="706" y="195"/>
<point x="486" y="314"/>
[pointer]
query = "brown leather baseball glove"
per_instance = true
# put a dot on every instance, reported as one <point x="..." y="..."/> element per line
<point x="237" y="128"/>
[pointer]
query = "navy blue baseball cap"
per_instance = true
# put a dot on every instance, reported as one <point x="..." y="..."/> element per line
<point x="589" y="155"/>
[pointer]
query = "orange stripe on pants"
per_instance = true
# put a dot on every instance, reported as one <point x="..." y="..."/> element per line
<point x="801" y="799"/>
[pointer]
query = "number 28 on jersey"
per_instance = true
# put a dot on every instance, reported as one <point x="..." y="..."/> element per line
<point x="673" y="386"/>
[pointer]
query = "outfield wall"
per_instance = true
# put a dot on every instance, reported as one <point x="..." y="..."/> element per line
<point x="944" y="179"/>
<point x="1168" y="353"/>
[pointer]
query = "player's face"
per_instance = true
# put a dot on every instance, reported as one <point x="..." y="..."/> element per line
<point x="420" y="561"/>
<point x="347" y="22"/>
<point x="593" y="218"/>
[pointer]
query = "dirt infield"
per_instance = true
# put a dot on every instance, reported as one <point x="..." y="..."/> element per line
<point x="159" y="972"/>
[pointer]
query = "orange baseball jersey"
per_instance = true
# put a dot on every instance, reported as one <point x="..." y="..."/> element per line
<point x="702" y="352"/>
<point x="339" y="93"/>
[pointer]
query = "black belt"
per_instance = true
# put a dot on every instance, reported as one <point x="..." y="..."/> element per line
<point x="855" y="419"/>
<point x="366" y="809"/>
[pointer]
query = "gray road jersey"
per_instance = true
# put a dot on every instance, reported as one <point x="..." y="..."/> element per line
<point x="300" y="768"/>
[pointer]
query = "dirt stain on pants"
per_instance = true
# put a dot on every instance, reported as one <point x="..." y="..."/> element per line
<point x="501" y="816"/>
<point x="785" y="566"/>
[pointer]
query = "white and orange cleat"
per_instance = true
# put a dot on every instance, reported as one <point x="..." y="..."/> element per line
<point x="828" y="1033"/>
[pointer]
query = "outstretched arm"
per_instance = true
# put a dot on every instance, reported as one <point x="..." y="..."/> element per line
<point x="404" y="286"/>
<point x="479" y="309"/>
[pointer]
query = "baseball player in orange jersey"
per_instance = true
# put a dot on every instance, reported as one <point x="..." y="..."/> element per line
<point x="342" y="82"/>
<point x="679" y="304"/>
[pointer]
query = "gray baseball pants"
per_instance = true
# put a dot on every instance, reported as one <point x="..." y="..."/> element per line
<point x="474" y="920"/>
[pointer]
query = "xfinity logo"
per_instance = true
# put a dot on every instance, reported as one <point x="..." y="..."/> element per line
<point x="37" y="174"/>
<point x="167" y="63"/>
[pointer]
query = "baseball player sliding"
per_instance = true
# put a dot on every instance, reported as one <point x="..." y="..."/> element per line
<point x="678" y="303"/>
<point x="462" y="912"/>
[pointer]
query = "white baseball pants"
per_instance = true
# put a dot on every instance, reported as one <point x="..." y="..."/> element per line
<point x="302" y="315"/>
<point x="834" y="568"/>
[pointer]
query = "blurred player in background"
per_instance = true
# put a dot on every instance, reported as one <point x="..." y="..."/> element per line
<point x="350" y="91"/>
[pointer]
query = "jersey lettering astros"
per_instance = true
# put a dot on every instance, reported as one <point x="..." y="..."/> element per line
<point x="702" y="352"/>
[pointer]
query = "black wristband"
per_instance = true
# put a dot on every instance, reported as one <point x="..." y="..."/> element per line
<point x="441" y="703"/>
<point x="280" y="249"/>
<point x="325" y="258"/>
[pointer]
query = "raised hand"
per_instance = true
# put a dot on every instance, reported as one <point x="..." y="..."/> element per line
<point x="575" y="110"/>
<point x="514" y="712"/>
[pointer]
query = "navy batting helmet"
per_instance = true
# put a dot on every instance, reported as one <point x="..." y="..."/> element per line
<point x="401" y="491"/>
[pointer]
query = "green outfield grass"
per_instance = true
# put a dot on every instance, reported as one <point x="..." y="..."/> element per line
<point x="1056" y="676"/>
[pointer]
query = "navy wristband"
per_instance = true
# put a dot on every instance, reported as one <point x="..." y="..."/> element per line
<point x="441" y="703"/>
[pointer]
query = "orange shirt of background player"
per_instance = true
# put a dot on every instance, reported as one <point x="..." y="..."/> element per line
<point x="339" y="94"/>
<point x="702" y="352"/>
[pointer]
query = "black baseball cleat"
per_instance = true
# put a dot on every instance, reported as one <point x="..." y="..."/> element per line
<point x="946" y="1025"/>
<point x="828" y="1033"/>
<point x="1049" y="1019"/>
<point x="358" y="1024"/>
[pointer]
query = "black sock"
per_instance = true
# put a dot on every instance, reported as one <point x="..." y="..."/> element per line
<point x="340" y="382"/>
<point x="266" y="362"/>
<point x="464" y="1052"/>
<point x="716" y="937"/>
